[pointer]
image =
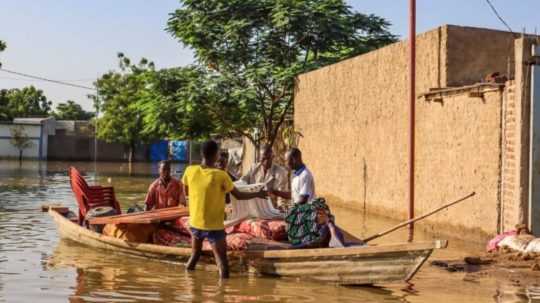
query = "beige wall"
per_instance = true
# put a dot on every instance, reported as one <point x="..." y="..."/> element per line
<point x="516" y="114"/>
<point x="458" y="152"/>
<point x="354" y="118"/>
<point x="472" y="53"/>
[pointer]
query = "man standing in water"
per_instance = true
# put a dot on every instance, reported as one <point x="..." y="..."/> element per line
<point x="302" y="184"/>
<point x="206" y="186"/>
<point x="266" y="171"/>
<point x="165" y="191"/>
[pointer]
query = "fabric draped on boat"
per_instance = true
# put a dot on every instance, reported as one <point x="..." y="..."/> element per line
<point x="267" y="224"/>
<point x="265" y="229"/>
<point x="169" y="237"/>
<point x="254" y="208"/>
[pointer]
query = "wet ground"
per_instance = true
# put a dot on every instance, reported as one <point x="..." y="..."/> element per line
<point x="36" y="266"/>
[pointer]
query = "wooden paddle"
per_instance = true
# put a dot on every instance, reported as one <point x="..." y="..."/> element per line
<point x="403" y="224"/>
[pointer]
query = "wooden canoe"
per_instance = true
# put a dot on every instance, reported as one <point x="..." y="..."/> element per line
<point x="346" y="266"/>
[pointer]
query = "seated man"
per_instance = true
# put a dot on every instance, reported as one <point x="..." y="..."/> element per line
<point x="206" y="186"/>
<point x="265" y="171"/>
<point x="165" y="191"/>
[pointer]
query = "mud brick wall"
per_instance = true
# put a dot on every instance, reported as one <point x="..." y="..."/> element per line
<point x="510" y="187"/>
<point x="354" y="118"/>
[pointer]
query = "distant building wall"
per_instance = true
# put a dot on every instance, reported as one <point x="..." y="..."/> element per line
<point x="7" y="150"/>
<point x="81" y="148"/>
<point x="354" y="119"/>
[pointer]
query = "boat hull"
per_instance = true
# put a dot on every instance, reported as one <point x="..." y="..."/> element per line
<point x="348" y="266"/>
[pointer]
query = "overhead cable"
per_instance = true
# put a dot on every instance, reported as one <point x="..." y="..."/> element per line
<point x="45" y="79"/>
<point x="498" y="15"/>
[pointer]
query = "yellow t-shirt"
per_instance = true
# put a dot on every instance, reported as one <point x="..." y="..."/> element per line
<point x="206" y="189"/>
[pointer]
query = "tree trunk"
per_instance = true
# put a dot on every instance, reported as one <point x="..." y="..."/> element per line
<point x="20" y="156"/>
<point x="131" y="152"/>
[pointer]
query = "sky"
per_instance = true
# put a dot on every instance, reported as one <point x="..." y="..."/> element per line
<point x="77" y="41"/>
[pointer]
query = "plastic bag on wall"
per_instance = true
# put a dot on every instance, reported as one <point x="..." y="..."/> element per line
<point x="533" y="246"/>
<point x="517" y="243"/>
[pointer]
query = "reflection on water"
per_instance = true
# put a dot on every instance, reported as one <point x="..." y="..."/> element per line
<point x="36" y="265"/>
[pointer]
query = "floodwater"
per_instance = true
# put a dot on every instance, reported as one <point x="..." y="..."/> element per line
<point x="36" y="266"/>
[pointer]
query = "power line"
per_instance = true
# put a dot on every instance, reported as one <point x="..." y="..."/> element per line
<point x="64" y="80"/>
<point x="47" y="80"/>
<point x="498" y="15"/>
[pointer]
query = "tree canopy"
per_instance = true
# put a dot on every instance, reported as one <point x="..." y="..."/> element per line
<point x="118" y="93"/>
<point x="2" y="48"/>
<point x="71" y="111"/>
<point x="25" y="102"/>
<point x="248" y="54"/>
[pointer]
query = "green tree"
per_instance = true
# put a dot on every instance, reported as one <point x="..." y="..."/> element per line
<point x="20" y="140"/>
<point x="71" y="111"/>
<point x="118" y="94"/>
<point x="249" y="53"/>
<point x="188" y="102"/>
<point x="22" y="103"/>
<point x="2" y="48"/>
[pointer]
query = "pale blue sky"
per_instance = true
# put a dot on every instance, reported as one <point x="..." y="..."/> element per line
<point x="77" y="41"/>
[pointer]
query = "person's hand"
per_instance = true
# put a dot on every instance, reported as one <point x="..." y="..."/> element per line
<point x="262" y="194"/>
<point x="271" y="193"/>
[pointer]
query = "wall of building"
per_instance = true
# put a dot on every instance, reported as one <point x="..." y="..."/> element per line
<point x="81" y="148"/>
<point x="354" y="118"/>
<point x="473" y="53"/>
<point x="458" y="151"/>
<point x="7" y="150"/>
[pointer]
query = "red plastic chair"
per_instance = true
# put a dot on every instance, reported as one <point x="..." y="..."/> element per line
<point x="89" y="197"/>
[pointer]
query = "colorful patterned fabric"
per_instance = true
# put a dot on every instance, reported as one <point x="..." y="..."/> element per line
<point x="238" y="241"/>
<point x="256" y="228"/>
<point x="171" y="238"/>
<point x="168" y="237"/>
<point x="181" y="225"/>
<point x="278" y="228"/>
<point x="304" y="228"/>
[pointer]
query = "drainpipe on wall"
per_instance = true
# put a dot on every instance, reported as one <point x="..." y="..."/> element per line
<point x="534" y="146"/>
<point x="412" y="100"/>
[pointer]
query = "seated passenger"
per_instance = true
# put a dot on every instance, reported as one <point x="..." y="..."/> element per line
<point x="165" y="191"/>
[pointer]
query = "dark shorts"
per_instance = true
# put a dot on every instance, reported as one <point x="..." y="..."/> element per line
<point x="212" y="235"/>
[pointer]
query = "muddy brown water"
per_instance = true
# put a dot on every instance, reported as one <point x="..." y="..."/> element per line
<point x="36" y="266"/>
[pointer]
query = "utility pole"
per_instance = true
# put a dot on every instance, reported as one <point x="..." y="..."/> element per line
<point x="97" y="105"/>
<point x="412" y="100"/>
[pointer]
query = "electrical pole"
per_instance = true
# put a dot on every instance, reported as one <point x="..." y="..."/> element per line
<point x="412" y="100"/>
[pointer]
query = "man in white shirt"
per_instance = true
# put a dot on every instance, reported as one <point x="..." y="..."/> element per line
<point x="302" y="184"/>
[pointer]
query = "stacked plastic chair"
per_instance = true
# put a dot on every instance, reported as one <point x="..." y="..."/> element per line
<point x="89" y="197"/>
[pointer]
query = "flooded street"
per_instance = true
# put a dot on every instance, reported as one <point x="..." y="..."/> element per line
<point x="36" y="266"/>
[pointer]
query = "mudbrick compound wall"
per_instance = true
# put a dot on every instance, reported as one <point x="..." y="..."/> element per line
<point x="354" y="118"/>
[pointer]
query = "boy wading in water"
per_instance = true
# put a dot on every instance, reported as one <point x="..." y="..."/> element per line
<point x="206" y="186"/>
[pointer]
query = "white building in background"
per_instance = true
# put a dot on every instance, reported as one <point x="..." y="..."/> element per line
<point x="37" y="130"/>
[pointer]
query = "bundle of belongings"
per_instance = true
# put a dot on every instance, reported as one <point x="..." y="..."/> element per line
<point x="309" y="225"/>
<point x="238" y="236"/>
<point x="518" y="240"/>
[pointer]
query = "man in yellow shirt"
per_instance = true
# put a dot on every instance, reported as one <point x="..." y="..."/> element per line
<point x="206" y="186"/>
